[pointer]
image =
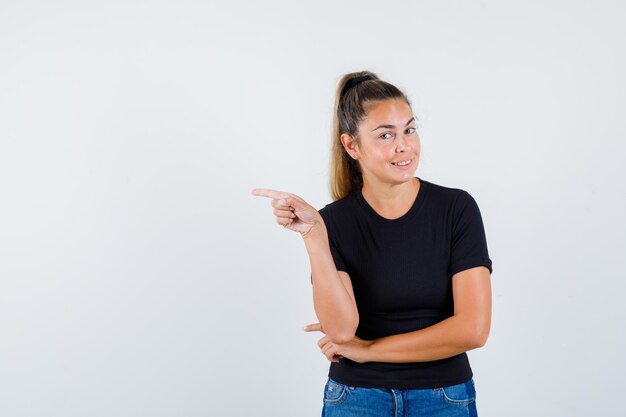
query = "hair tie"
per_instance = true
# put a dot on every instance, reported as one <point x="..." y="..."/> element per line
<point x="352" y="82"/>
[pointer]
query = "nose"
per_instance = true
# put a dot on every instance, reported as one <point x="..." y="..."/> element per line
<point x="402" y="143"/>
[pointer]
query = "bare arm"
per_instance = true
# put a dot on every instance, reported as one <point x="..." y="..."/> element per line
<point x="467" y="329"/>
<point x="333" y="297"/>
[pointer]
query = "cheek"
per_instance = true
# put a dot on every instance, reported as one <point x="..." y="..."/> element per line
<point x="417" y="146"/>
<point x="387" y="154"/>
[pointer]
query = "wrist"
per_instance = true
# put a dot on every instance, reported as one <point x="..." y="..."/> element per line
<point x="370" y="352"/>
<point x="316" y="233"/>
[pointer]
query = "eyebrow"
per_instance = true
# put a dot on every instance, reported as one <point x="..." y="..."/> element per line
<point x="392" y="126"/>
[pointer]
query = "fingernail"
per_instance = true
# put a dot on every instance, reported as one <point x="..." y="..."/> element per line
<point x="305" y="327"/>
<point x="282" y="202"/>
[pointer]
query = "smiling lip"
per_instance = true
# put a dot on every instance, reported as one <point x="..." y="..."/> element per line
<point x="403" y="166"/>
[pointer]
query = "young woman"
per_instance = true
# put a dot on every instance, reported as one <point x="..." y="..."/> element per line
<point x="399" y="266"/>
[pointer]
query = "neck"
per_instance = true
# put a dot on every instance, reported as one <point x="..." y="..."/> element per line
<point x="388" y="197"/>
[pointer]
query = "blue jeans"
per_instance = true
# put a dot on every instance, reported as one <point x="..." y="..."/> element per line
<point x="451" y="401"/>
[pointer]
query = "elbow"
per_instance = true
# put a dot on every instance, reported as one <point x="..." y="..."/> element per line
<point x="341" y="338"/>
<point x="345" y="335"/>
<point x="480" y="339"/>
<point x="475" y="332"/>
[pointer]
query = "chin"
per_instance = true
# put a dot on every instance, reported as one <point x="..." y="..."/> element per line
<point x="408" y="176"/>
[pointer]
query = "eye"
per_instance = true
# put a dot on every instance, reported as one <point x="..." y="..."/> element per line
<point x="411" y="130"/>
<point x="384" y="136"/>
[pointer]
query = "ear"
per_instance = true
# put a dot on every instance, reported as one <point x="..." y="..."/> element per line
<point x="350" y="145"/>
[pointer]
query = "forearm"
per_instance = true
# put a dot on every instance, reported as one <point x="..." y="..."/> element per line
<point x="333" y="305"/>
<point x="447" y="338"/>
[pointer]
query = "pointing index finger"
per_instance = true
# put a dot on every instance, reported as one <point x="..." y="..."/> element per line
<point x="267" y="192"/>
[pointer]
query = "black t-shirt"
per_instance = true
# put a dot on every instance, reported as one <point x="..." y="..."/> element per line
<point x="401" y="271"/>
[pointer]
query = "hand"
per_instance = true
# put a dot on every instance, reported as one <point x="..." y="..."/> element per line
<point x="292" y="211"/>
<point x="356" y="350"/>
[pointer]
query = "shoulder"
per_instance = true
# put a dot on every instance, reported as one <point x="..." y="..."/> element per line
<point x="337" y="206"/>
<point x="459" y="206"/>
<point x="338" y="211"/>
<point x="447" y="196"/>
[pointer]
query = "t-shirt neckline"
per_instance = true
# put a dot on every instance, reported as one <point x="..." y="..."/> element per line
<point x="417" y="204"/>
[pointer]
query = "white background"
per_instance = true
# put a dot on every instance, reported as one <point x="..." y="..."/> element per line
<point x="139" y="277"/>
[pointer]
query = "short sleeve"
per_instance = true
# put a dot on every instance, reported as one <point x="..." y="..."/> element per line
<point x="469" y="244"/>
<point x="340" y="264"/>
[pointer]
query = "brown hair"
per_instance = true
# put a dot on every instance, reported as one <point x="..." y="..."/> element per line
<point x="355" y="91"/>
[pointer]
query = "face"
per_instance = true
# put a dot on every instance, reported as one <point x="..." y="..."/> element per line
<point x="388" y="139"/>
